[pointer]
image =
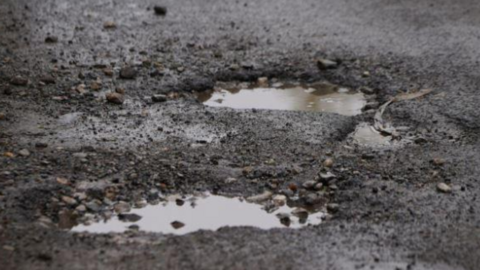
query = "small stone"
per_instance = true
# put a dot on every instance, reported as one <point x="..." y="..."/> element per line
<point x="2" y="116"/>
<point x="442" y="187"/>
<point x="328" y="163"/>
<point x="367" y="90"/>
<point x="69" y="200"/>
<point x="81" y="208"/>
<point x="293" y="187"/>
<point x="261" y="197"/>
<point x="93" y="206"/>
<point x="120" y="90"/>
<point x="438" y="161"/>
<point x="327" y="176"/>
<point x="333" y="207"/>
<point x="19" y="81"/>
<point x="160" y="10"/>
<point x="324" y="64"/>
<point x="159" y="98"/>
<point x="128" y="73"/>
<point x="41" y="145"/>
<point x="129" y="217"/>
<point x="47" y="79"/>
<point x="300" y="212"/>
<point x="24" y="153"/>
<point x="51" y="39"/>
<point x="115" y="98"/>
<point x="108" y="71"/>
<point x="309" y="184"/>
<point x="8" y="248"/>
<point x="122" y="207"/>
<point x="284" y="219"/>
<point x="9" y="154"/>
<point x="280" y="200"/>
<point x="109" y="25"/>
<point x="62" y="181"/>
<point x="318" y="186"/>
<point x="177" y="225"/>
<point x="8" y="91"/>
<point x="230" y="180"/>
<point x="96" y="85"/>
<point x="312" y="199"/>
<point x="262" y="81"/>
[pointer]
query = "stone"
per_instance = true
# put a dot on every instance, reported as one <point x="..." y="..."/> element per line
<point x="47" y="79"/>
<point x="328" y="162"/>
<point x="41" y="145"/>
<point x="19" y="81"/>
<point x="62" y="181"/>
<point x="24" y="153"/>
<point x="444" y="188"/>
<point x="159" y="98"/>
<point x="69" y="200"/>
<point x="327" y="176"/>
<point x="367" y="90"/>
<point x="324" y="64"/>
<point x="109" y="25"/>
<point x="160" y="10"/>
<point x="262" y="81"/>
<point x="312" y="199"/>
<point x="81" y="208"/>
<point x="51" y="39"/>
<point x="309" y="184"/>
<point x="438" y="161"/>
<point x="177" y="225"/>
<point x="230" y="180"/>
<point x="333" y="207"/>
<point x="93" y="206"/>
<point x="115" y="98"/>
<point x="128" y="73"/>
<point x="122" y="207"/>
<point x="260" y="198"/>
<point x="129" y="217"/>
<point x="318" y="186"/>
<point x="280" y="200"/>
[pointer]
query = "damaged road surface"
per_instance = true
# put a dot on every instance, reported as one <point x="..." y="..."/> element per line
<point x="239" y="134"/>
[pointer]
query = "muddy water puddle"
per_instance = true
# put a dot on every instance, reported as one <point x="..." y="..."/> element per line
<point x="318" y="97"/>
<point x="366" y="135"/>
<point x="206" y="212"/>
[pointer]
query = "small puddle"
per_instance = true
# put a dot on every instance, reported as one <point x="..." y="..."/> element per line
<point x="209" y="212"/>
<point x="366" y="135"/>
<point x="318" y="97"/>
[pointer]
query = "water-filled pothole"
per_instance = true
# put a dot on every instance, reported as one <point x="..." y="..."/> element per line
<point x="366" y="135"/>
<point x="207" y="212"/>
<point x="321" y="97"/>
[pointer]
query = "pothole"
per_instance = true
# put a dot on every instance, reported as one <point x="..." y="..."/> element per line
<point x="319" y="97"/>
<point x="366" y="135"/>
<point x="179" y="215"/>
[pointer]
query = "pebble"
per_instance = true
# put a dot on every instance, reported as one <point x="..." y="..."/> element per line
<point x="93" y="206"/>
<point x="69" y="200"/>
<point x="81" y="208"/>
<point x="261" y="197"/>
<point x="367" y="90"/>
<point x="318" y="186"/>
<point x="47" y="79"/>
<point x="41" y="145"/>
<point x="160" y="10"/>
<point x="438" y="161"/>
<point x="115" y="98"/>
<point x="328" y="163"/>
<point x="324" y="64"/>
<point x="128" y="73"/>
<point x="309" y="184"/>
<point x="122" y="207"/>
<point x="9" y="154"/>
<point x="129" y="217"/>
<point x="51" y="39"/>
<point x="3" y="116"/>
<point x="280" y="200"/>
<point x="262" y="81"/>
<point x="442" y="187"/>
<point x="333" y="207"/>
<point x="19" y="81"/>
<point x="177" y="225"/>
<point x="24" y="153"/>
<point x="230" y="180"/>
<point x="159" y="98"/>
<point x="62" y="181"/>
<point x="109" y="25"/>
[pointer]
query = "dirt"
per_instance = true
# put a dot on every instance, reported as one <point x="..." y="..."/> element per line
<point x="63" y="145"/>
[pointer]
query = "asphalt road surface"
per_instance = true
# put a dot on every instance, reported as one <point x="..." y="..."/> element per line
<point x="71" y="149"/>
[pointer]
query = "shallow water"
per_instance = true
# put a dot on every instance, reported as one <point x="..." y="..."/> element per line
<point x="203" y="213"/>
<point x="366" y="135"/>
<point x="320" y="97"/>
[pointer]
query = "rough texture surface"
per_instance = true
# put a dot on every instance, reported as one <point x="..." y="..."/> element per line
<point x="58" y="61"/>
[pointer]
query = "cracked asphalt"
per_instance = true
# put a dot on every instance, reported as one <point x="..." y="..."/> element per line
<point x="64" y="146"/>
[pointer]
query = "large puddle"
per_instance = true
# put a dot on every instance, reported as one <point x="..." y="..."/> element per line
<point x="319" y="97"/>
<point x="208" y="212"/>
